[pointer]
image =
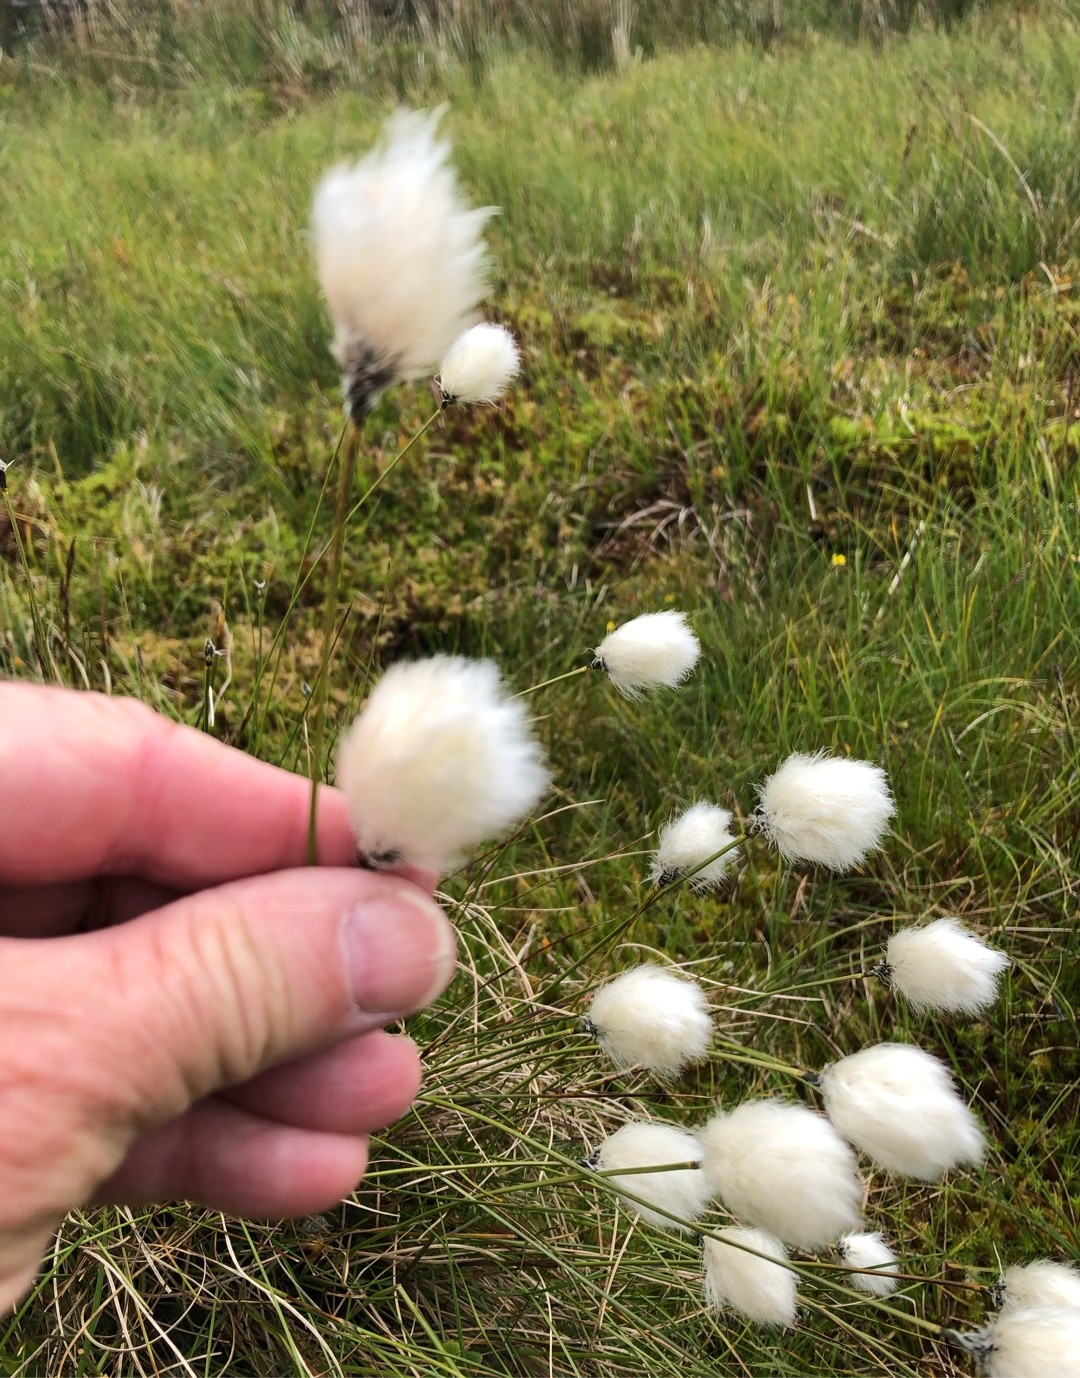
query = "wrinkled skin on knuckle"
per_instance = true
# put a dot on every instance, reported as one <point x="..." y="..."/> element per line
<point x="215" y="1031"/>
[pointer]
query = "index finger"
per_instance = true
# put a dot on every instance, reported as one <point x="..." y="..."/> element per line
<point x="91" y="785"/>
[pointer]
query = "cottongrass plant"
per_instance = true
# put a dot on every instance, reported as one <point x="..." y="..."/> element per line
<point x="942" y="966"/>
<point x="825" y="809"/>
<point x="877" y="1262"/>
<point x="897" y="1104"/>
<point x="479" y="366"/>
<point x="400" y="258"/>
<point x="441" y="759"/>
<point x="746" y="1272"/>
<point x="1028" y="1342"/>
<point x="650" y="1017"/>
<point x="671" y="1197"/>
<point x="403" y="266"/>
<point x="783" y="1167"/>
<point x="655" y="651"/>
<point x="1042" y="1283"/>
<point x="697" y="846"/>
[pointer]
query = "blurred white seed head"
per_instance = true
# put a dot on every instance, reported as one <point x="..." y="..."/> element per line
<point x="440" y="759"/>
<point x="1042" y="1283"/>
<point x="783" y="1167"/>
<point x="681" y="1192"/>
<point x="400" y="258"/>
<point x="825" y="809"/>
<point x="736" y="1279"/>
<point x="1030" y="1342"/>
<point x="697" y="834"/>
<point x="871" y="1252"/>
<point x="942" y="966"/>
<point x="649" y="1017"/>
<point x="656" y="650"/>
<point x="898" y="1105"/>
<point x="479" y="366"/>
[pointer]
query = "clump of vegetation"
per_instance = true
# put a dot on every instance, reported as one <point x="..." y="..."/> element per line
<point x="798" y="320"/>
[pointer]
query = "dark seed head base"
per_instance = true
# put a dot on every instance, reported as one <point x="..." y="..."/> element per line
<point x="378" y="861"/>
<point x="365" y="376"/>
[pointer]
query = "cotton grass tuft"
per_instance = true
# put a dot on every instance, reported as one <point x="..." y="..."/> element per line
<point x="869" y="1251"/>
<point x="825" y="809"/>
<point x="760" y="1288"/>
<point x="898" y="1105"/>
<point x="690" y="840"/>
<point x="400" y="258"/>
<point x="1030" y="1342"/>
<point x="479" y="366"/>
<point x="783" y="1167"/>
<point x="440" y="759"/>
<point x="681" y="1192"/>
<point x="942" y="966"/>
<point x="654" y="651"/>
<point x="651" y="1018"/>
<point x="1042" y="1283"/>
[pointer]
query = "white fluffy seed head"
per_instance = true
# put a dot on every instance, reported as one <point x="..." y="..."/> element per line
<point x="760" y="1288"/>
<point x="825" y="809"/>
<point x="440" y="759"/>
<point x="783" y="1167"/>
<point x="942" y="966"/>
<point x="869" y="1251"/>
<point x="682" y="1192"/>
<point x="1042" y="1283"/>
<point x="1035" y="1342"/>
<point x="898" y="1105"/>
<point x="400" y="258"/>
<point x="480" y="365"/>
<point x="656" y="650"/>
<point x="697" y="834"/>
<point x="651" y="1018"/>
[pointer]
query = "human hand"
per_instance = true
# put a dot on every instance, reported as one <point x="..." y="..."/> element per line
<point x="182" y="1013"/>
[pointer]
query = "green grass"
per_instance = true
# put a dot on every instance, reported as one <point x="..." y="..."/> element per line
<point x="780" y="304"/>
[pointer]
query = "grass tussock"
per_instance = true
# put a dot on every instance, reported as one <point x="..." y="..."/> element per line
<point x="799" y="318"/>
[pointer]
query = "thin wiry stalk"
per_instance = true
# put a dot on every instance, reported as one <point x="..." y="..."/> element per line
<point x="322" y="684"/>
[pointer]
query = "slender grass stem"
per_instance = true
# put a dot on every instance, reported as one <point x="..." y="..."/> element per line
<point x="346" y="472"/>
<point x="556" y="679"/>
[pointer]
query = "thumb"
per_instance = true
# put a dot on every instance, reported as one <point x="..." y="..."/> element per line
<point x="106" y="1035"/>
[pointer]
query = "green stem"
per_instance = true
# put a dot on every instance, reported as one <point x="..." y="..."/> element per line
<point x="391" y="466"/>
<point x="346" y="473"/>
<point x="735" y="1052"/>
<point x="557" y="679"/>
<point x="278" y="642"/>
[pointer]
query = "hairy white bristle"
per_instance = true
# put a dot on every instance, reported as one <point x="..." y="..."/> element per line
<point x="783" y="1167"/>
<point x="694" y="838"/>
<point x="656" y="650"/>
<point x="898" y="1105"/>
<point x="1042" y="1283"/>
<point x="745" y="1272"/>
<point x="649" y="1017"/>
<point x="681" y="1193"/>
<point x="1030" y="1342"/>
<point x="441" y="758"/>
<point x="942" y="966"/>
<point x="480" y="365"/>
<point x="400" y="258"/>
<point x="869" y="1251"/>
<point x="825" y="809"/>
